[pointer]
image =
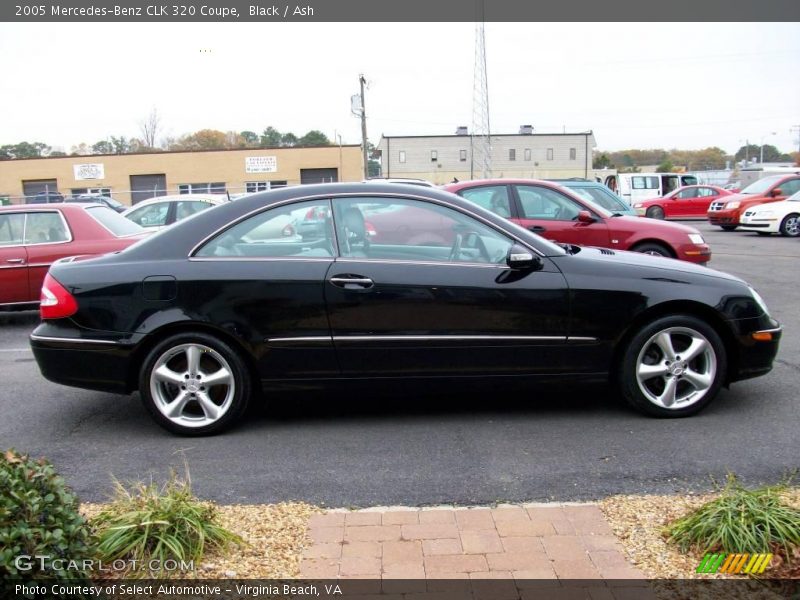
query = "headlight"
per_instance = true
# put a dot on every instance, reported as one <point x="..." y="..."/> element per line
<point x="734" y="204"/>
<point x="760" y="301"/>
<point x="696" y="238"/>
<point x="638" y="205"/>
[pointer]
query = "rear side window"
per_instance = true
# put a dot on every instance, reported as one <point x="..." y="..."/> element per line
<point x="113" y="221"/>
<point x="45" y="228"/>
<point x="187" y="208"/>
<point x="542" y="203"/>
<point x="153" y="215"/>
<point x="303" y="229"/>
<point x="11" y="229"/>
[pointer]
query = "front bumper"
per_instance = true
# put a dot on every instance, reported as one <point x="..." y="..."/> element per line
<point x="757" y="348"/>
<point x="723" y="217"/>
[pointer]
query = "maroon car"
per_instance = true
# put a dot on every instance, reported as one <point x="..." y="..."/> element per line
<point x="554" y="212"/>
<point x="32" y="237"/>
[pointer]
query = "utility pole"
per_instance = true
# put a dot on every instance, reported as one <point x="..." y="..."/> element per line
<point x="363" y="81"/>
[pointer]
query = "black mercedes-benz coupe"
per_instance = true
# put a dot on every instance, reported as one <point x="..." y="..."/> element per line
<point x="318" y="283"/>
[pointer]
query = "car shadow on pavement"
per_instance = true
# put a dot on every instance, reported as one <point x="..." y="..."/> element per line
<point x="19" y="317"/>
<point x="382" y="401"/>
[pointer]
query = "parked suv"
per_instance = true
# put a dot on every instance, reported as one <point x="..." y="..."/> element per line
<point x="727" y="212"/>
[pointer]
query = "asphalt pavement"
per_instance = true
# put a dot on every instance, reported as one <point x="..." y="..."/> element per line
<point x="417" y="446"/>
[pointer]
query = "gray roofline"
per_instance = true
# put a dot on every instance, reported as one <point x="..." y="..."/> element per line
<point x="453" y="135"/>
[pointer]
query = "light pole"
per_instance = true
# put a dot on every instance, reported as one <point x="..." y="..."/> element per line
<point x="763" y="137"/>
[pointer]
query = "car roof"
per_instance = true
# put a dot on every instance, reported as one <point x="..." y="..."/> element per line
<point x="62" y="206"/>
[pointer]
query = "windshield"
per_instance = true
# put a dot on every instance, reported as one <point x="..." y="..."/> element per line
<point x="113" y="221"/>
<point x="762" y="185"/>
<point x="598" y="196"/>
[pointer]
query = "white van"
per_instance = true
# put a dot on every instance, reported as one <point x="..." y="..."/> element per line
<point x="635" y="187"/>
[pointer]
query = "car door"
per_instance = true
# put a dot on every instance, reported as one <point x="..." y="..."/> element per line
<point x="13" y="260"/>
<point x="415" y="307"/>
<point x="269" y="287"/>
<point x="553" y="215"/>
<point x="680" y="206"/>
<point x="47" y="238"/>
<point x="700" y="203"/>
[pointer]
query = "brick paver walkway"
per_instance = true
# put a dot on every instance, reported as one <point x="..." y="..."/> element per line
<point x="526" y="542"/>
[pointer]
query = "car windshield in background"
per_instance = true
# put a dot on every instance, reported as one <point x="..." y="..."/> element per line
<point x="114" y="222"/>
<point x="598" y="197"/>
<point x="762" y="185"/>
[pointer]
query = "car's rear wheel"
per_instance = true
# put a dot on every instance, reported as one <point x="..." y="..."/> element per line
<point x="194" y="384"/>
<point x="790" y="226"/>
<point x="655" y="212"/>
<point x="673" y="367"/>
<point x="654" y="249"/>
<point x="728" y="227"/>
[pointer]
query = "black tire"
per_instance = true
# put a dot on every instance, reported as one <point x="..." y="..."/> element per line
<point x="688" y="399"/>
<point x="232" y="399"/>
<point x="729" y="227"/>
<point x="790" y="226"/>
<point x="654" y="249"/>
<point x="655" y="212"/>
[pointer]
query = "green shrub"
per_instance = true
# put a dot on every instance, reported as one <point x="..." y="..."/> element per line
<point x="740" y="520"/>
<point x="39" y="516"/>
<point x="147" y="523"/>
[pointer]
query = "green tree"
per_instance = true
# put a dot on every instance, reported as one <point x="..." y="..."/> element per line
<point x="314" y="138"/>
<point x="666" y="166"/>
<point x="271" y="138"/>
<point x="24" y="150"/>
<point x="250" y="138"/>
<point x="101" y="147"/>
<point x="289" y="139"/>
<point x="602" y="161"/>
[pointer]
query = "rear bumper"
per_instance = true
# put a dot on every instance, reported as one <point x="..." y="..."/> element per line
<point x="95" y="364"/>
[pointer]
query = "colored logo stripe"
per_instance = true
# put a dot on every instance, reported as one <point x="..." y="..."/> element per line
<point x="752" y="564"/>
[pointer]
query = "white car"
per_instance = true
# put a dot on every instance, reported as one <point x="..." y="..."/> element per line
<point x="774" y="217"/>
<point x="162" y="211"/>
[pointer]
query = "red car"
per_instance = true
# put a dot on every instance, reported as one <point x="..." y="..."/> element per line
<point x="33" y="236"/>
<point x="689" y="202"/>
<point x="554" y="212"/>
<point x="726" y="212"/>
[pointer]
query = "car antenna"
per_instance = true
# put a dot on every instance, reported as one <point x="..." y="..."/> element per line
<point x="228" y="194"/>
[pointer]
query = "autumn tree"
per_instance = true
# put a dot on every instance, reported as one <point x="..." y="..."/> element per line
<point x="149" y="128"/>
<point x="205" y="139"/>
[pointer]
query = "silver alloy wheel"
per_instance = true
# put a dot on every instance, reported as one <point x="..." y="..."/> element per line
<point x="192" y="385"/>
<point x="792" y="226"/>
<point x="676" y="367"/>
<point x="653" y="253"/>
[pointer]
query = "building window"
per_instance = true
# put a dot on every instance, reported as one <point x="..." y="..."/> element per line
<point x="434" y="156"/>
<point x="549" y="154"/>
<point x="512" y="154"/>
<point x="402" y="156"/>
<point x="262" y="186"/>
<point x="103" y="191"/>
<point x="527" y="153"/>
<point x="462" y="155"/>
<point x="217" y="187"/>
<point x="573" y="153"/>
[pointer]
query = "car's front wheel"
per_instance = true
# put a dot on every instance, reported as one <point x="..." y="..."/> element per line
<point x="790" y="226"/>
<point x="673" y="367"/>
<point x="194" y="384"/>
<point x="653" y="249"/>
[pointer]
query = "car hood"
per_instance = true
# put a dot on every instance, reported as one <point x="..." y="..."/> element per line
<point x="637" y="224"/>
<point x="637" y="259"/>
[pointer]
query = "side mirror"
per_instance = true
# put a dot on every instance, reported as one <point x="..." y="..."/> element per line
<point x="585" y="216"/>
<point x="520" y="257"/>
<point x="776" y="192"/>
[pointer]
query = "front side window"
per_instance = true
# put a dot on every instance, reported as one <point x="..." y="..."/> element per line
<point x="153" y="215"/>
<point x="301" y="230"/>
<point x="686" y="194"/>
<point x="491" y="197"/>
<point x="790" y="187"/>
<point x="543" y="203"/>
<point x="412" y="230"/>
<point x="12" y="226"/>
<point x="45" y="228"/>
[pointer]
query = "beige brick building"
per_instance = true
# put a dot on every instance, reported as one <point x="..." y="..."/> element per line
<point x="133" y="177"/>
<point x="442" y="158"/>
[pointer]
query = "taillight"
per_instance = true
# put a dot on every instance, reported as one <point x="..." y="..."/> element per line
<point x="56" y="302"/>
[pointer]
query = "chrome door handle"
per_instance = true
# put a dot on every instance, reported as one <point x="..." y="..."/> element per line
<point x="17" y="261"/>
<point x="353" y="282"/>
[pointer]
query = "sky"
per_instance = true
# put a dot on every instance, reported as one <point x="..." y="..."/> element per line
<point x="636" y="85"/>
